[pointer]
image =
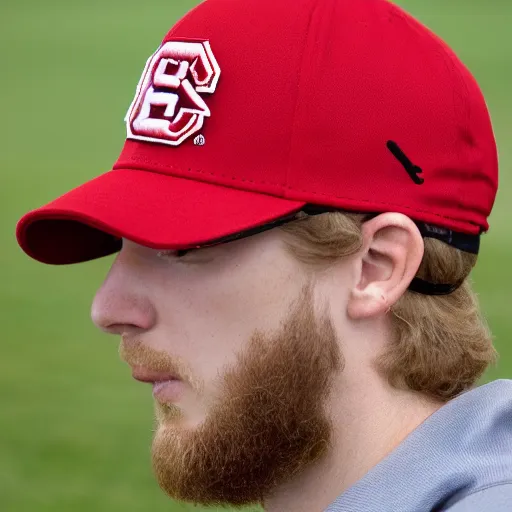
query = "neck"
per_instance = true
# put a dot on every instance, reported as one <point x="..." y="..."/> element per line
<point x="369" y="421"/>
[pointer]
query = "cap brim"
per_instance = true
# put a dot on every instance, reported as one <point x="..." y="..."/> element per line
<point x="154" y="210"/>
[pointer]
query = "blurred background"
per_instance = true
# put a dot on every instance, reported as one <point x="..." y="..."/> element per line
<point x="75" y="429"/>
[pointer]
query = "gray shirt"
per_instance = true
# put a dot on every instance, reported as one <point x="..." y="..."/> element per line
<point x="458" y="460"/>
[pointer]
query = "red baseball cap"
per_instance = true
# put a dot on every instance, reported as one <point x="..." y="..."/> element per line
<point x="252" y="110"/>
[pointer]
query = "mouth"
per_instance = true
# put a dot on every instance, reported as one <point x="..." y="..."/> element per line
<point x="167" y="388"/>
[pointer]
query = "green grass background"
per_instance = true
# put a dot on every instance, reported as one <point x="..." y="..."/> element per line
<point x="75" y="430"/>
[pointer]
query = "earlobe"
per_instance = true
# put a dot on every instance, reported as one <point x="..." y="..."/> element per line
<point x="367" y="302"/>
<point x="390" y="257"/>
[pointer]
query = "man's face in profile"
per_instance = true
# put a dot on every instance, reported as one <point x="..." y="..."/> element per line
<point x="240" y="358"/>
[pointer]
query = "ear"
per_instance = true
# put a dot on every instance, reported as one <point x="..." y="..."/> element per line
<point x="388" y="261"/>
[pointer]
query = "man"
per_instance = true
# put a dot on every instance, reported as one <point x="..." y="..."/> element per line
<point x="297" y="208"/>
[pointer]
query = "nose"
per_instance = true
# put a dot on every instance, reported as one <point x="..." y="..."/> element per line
<point x="122" y="304"/>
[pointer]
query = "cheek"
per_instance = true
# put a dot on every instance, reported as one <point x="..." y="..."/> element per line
<point x="212" y="314"/>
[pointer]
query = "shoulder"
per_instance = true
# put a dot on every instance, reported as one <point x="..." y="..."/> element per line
<point x="496" y="498"/>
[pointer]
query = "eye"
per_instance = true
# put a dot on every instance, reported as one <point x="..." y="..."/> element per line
<point x="180" y="253"/>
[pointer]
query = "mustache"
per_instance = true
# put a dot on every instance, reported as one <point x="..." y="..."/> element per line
<point x="138" y="354"/>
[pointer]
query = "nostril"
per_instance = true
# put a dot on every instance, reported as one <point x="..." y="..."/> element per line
<point x="121" y="329"/>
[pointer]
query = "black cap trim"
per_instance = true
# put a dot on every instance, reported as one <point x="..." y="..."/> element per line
<point x="462" y="241"/>
<point x="418" y="285"/>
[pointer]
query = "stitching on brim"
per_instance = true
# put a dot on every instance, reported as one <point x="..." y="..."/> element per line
<point x="242" y="180"/>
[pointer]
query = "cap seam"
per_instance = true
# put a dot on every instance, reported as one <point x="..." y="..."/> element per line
<point x="299" y="81"/>
<point x="192" y="171"/>
<point x="322" y="194"/>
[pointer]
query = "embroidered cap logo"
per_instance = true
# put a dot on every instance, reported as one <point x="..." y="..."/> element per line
<point x="168" y="107"/>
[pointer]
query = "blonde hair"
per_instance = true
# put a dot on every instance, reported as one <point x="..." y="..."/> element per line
<point x="440" y="345"/>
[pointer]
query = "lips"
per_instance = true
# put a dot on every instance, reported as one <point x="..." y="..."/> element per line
<point x="167" y="388"/>
<point x="144" y="375"/>
<point x="168" y="392"/>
